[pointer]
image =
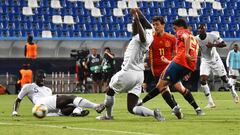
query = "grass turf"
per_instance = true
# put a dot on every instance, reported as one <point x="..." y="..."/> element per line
<point x="222" y="120"/>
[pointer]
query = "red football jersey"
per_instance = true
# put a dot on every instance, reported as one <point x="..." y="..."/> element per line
<point x="180" y="58"/>
<point x="161" y="46"/>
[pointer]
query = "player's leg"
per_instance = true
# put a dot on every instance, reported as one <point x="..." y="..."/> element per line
<point x="204" y="73"/>
<point x="219" y="70"/>
<point x="231" y="88"/>
<point x="206" y="90"/>
<point x="64" y="100"/>
<point x="153" y="93"/>
<point x="74" y="111"/>
<point x="108" y="102"/>
<point x="132" y="100"/>
<point x="110" y="98"/>
<point x="189" y="98"/>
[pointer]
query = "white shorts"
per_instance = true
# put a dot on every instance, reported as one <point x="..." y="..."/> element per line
<point x="233" y="72"/>
<point x="50" y="102"/>
<point x="216" y="66"/>
<point x="127" y="81"/>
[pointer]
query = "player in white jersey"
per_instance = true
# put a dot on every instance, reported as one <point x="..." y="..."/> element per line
<point x="233" y="64"/>
<point x="211" y="61"/>
<point x="130" y="77"/>
<point x="66" y="105"/>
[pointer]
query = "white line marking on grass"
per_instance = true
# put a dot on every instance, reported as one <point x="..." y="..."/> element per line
<point x="77" y="128"/>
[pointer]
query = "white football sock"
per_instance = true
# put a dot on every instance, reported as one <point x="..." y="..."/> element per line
<point x="234" y="84"/>
<point x="81" y="102"/>
<point x="143" y="111"/>
<point x="109" y="102"/>
<point x="207" y="93"/>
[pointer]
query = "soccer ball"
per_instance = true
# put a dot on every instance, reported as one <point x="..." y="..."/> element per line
<point x="40" y="110"/>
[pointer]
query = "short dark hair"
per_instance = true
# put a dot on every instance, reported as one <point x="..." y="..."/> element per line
<point x="201" y="25"/>
<point x="40" y="71"/>
<point x="107" y="48"/>
<point x="158" y="18"/>
<point x="30" y="39"/>
<point x="180" y="23"/>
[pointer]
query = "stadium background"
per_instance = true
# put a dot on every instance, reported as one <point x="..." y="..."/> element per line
<point x="60" y="26"/>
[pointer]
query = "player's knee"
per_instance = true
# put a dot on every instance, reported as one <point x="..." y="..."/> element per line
<point x="110" y="92"/>
<point x="163" y="90"/>
<point x="225" y="79"/>
<point x="203" y="82"/>
<point x="130" y="109"/>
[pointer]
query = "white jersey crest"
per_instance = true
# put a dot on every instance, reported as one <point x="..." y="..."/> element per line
<point x="136" y="51"/>
<point x="209" y="53"/>
<point x="34" y="92"/>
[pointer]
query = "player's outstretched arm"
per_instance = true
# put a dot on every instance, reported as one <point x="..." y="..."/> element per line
<point x="143" y="19"/>
<point x="219" y="45"/>
<point x="138" y="27"/>
<point x="16" y="107"/>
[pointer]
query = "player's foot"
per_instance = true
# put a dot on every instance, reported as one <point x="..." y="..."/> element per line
<point x="236" y="99"/>
<point x="235" y="96"/>
<point x="210" y="105"/>
<point x="158" y="115"/>
<point x="82" y="114"/>
<point x="199" y="112"/>
<point x="100" y="108"/>
<point x="177" y="112"/>
<point x="104" y="117"/>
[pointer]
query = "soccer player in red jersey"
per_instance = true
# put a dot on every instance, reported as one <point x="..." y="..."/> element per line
<point x="182" y="64"/>
<point x="161" y="52"/>
<point x="163" y="47"/>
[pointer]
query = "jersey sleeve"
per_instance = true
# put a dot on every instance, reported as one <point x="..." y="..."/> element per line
<point x="149" y="36"/>
<point x="24" y="91"/>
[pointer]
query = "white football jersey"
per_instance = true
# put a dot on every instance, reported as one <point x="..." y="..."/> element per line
<point x="34" y="92"/>
<point x="136" y="51"/>
<point x="209" y="53"/>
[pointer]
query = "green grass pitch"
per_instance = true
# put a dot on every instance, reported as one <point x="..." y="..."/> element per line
<point x="222" y="120"/>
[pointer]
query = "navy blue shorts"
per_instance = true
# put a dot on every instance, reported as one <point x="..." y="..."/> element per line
<point x="174" y="72"/>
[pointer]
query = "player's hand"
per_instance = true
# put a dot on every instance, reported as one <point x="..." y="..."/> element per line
<point x="134" y="14"/>
<point x="14" y="113"/>
<point x="210" y="45"/>
<point x="165" y="60"/>
<point x="133" y="11"/>
<point x="190" y="58"/>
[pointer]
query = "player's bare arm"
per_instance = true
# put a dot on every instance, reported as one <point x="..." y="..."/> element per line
<point x="143" y="19"/>
<point x="138" y="26"/>
<point x="219" y="45"/>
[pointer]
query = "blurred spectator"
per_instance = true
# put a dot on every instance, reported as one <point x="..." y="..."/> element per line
<point x="107" y="67"/>
<point x="25" y="76"/>
<point x="81" y="75"/>
<point x="233" y="65"/>
<point x="93" y="64"/>
<point x="30" y="50"/>
<point x="3" y="89"/>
